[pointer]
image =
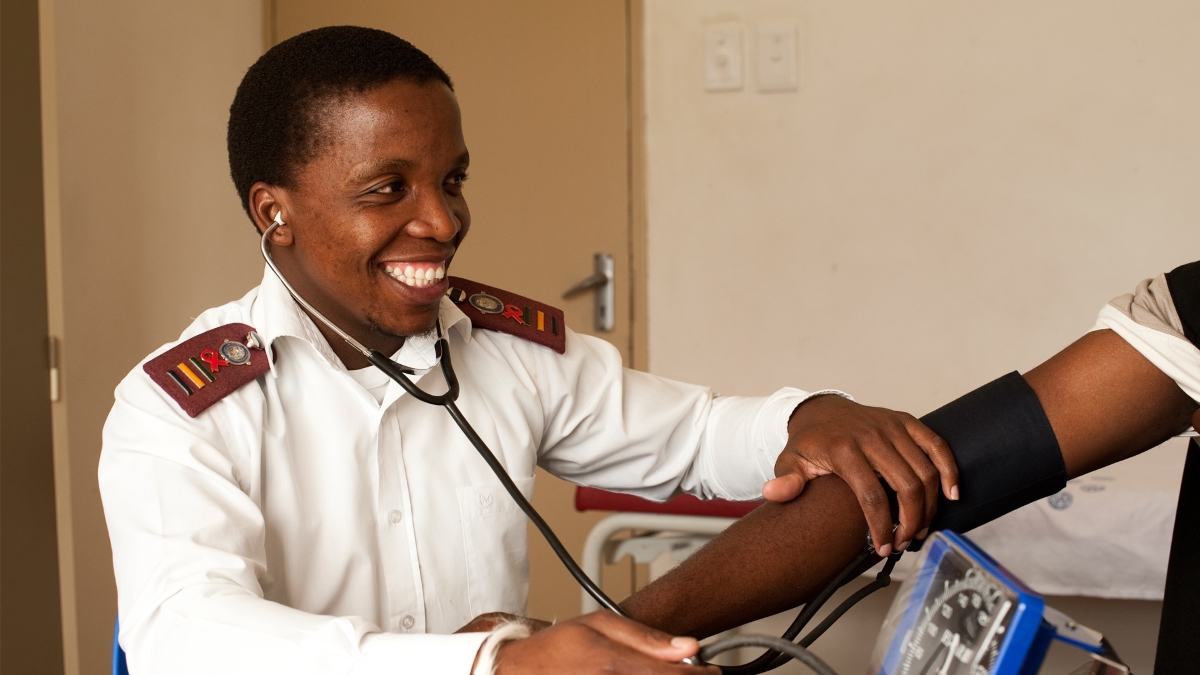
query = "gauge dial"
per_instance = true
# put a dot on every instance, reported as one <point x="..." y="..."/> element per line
<point x="961" y="624"/>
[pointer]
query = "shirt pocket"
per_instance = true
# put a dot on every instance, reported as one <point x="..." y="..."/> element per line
<point x="494" y="535"/>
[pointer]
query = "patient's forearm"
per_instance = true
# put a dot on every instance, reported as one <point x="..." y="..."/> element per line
<point x="774" y="559"/>
<point x="1096" y="402"/>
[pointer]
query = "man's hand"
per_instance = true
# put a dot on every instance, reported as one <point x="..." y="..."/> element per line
<point x="485" y="623"/>
<point x="600" y="642"/>
<point x="829" y="434"/>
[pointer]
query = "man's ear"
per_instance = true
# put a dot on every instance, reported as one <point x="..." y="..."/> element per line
<point x="266" y="202"/>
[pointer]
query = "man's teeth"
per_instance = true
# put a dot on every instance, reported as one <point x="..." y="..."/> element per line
<point x="419" y="276"/>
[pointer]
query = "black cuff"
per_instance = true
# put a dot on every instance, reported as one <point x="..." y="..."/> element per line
<point x="1006" y="451"/>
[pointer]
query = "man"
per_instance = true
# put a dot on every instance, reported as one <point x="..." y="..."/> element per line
<point x="1126" y="387"/>
<point x="277" y="505"/>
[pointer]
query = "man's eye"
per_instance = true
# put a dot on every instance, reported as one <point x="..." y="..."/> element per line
<point x="390" y="188"/>
<point x="458" y="179"/>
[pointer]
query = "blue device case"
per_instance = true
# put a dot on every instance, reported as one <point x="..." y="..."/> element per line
<point x="1018" y="645"/>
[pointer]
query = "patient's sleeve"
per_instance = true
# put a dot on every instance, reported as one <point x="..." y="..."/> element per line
<point x="1161" y="320"/>
<point x="1150" y="305"/>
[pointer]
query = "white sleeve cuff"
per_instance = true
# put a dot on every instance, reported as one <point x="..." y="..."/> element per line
<point x="744" y="438"/>
<point x="505" y="632"/>
<point x="391" y="653"/>
<point x="778" y="412"/>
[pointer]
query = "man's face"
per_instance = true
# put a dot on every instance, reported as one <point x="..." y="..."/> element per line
<point x="376" y="217"/>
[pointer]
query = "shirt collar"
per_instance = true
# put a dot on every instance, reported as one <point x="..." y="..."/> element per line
<point x="276" y="314"/>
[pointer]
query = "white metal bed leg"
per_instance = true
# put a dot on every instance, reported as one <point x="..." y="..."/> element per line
<point x="593" y="548"/>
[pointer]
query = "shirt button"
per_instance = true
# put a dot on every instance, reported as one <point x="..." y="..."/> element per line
<point x="395" y="516"/>
<point x="408" y="621"/>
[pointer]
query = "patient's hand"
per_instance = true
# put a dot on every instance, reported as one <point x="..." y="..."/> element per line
<point x="829" y="434"/>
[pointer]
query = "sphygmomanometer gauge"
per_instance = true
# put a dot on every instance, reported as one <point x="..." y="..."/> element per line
<point x="961" y="625"/>
<point x="961" y="614"/>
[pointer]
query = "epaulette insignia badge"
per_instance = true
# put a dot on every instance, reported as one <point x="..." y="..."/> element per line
<point x="206" y="368"/>
<point x="506" y="312"/>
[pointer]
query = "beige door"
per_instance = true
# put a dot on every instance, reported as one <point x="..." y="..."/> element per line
<point x="543" y="86"/>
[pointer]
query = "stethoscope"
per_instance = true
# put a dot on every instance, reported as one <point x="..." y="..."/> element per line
<point x="780" y="650"/>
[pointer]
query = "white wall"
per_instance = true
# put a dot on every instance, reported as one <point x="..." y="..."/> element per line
<point x="951" y="193"/>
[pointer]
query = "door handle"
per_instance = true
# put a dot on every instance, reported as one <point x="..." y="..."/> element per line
<point x="602" y="282"/>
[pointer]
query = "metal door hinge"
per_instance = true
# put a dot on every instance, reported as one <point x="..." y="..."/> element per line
<point x="52" y="361"/>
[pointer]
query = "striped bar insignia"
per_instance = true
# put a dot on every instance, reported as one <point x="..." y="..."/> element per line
<point x="186" y="390"/>
<point x="190" y="375"/>
<point x="203" y="369"/>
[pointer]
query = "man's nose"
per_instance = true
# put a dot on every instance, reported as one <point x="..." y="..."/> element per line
<point x="434" y="219"/>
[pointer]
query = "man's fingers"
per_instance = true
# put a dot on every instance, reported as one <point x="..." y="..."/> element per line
<point x="784" y="488"/>
<point x="924" y="470"/>
<point x="628" y="660"/>
<point x="856" y="443"/>
<point x="641" y="638"/>
<point x="601" y="642"/>
<point x="939" y="453"/>
<point x="859" y="475"/>
<point x="910" y="491"/>
<point x="790" y="478"/>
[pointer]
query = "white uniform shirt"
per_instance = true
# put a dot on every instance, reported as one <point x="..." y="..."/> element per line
<point x="301" y="526"/>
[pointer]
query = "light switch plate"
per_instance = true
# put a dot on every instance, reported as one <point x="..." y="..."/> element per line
<point x="723" y="57"/>
<point x="777" y="57"/>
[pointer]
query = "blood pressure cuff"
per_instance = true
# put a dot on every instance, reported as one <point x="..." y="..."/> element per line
<point x="1006" y="452"/>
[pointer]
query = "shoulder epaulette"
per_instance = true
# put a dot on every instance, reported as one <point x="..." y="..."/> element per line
<point x="494" y="309"/>
<point x="206" y="368"/>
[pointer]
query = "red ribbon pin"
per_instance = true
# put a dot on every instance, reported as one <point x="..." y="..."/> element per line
<point x="515" y="313"/>
<point x="213" y="360"/>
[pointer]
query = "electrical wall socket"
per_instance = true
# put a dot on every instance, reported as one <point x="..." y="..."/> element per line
<point x="777" y="57"/>
<point x="723" y="57"/>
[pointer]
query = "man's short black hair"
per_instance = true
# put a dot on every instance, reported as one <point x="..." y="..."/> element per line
<point x="275" y="122"/>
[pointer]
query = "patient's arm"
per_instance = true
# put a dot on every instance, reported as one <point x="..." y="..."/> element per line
<point x="1104" y="401"/>
<point x="774" y="559"/>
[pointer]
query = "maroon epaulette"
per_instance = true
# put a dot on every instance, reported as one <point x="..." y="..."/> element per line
<point x="506" y="312"/>
<point x="204" y="369"/>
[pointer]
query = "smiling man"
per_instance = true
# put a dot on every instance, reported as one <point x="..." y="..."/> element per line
<point x="277" y="505"/>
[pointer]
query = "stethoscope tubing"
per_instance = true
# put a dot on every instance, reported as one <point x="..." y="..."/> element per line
<point x="781" y="648"/>
<point x="447" y="401"/>
<point x="399" y="374"/>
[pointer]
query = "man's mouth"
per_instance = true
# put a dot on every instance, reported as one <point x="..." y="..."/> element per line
<point x="416" y="274"/>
